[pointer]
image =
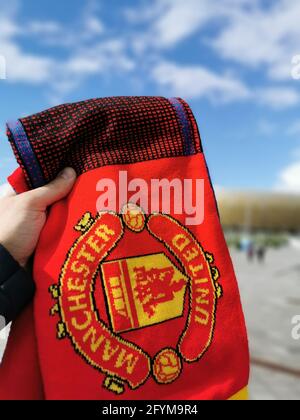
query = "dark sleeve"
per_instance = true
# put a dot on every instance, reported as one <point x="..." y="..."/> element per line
<point x="16" y="288"/>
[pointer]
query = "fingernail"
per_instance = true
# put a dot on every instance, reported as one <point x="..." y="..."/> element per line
<point x="67" y="174"/>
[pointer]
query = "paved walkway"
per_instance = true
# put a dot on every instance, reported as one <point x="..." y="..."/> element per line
<point x="271" y="298"/>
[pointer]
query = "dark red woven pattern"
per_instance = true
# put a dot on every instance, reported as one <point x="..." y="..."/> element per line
<point x="98" y="132"/>
<point x="193" y="124"/>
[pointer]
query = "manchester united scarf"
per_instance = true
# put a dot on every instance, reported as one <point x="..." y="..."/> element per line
<point x="136" y="296"/>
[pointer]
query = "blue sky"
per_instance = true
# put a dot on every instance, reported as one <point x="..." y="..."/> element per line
<point x="231" y="60"/>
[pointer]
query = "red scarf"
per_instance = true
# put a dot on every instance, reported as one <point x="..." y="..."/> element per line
<point x="138" y="304"/>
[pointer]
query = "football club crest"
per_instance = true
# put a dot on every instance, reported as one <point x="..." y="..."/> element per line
<point x="141" y="291"/>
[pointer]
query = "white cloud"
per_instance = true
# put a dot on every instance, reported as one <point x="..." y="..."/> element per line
<point x="99" y="58"/>
<point x="8" y="27"/>
<point x="260" y="36"/>
<point x="94" y="26"/>
<point x="245" y="32"/>
<point x="42" y="28"/>
<point x="197" y="82"/>
<point x="174" y="20"/>
<point x="278" y="97"/>
<point x="263" y="36"/>
<point x="289" y="178"/>
<point x="200" y="82"/>
<point x="253" y="33"/>
<point x="55" y="34"/>
<point x="181" y="19"/>
<point x="21" y="66"/>
<point x="25" y="67"/>
<point x="85" y="53"/>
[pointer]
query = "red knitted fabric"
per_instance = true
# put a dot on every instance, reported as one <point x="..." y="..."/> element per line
<point x="131" y="304"/>
<point x="106" y="131"/>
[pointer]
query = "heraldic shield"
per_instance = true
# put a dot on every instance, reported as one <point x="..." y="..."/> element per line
<point x="140" y="291"/>
<point x="143" y="291"/>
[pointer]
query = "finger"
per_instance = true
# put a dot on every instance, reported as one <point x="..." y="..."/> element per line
<point x="54" y="191"/>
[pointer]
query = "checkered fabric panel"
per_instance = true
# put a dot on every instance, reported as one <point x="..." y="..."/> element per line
<point x="108" y="131"/>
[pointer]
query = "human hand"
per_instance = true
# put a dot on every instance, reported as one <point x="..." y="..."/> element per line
<point x="23" y="216"/>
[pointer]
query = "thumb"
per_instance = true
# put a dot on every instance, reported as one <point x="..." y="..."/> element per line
<point x="54" y="191"/>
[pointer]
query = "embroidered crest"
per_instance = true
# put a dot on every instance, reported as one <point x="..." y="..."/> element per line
<point x="140" y="291"/>
<point x="143" y="291"/>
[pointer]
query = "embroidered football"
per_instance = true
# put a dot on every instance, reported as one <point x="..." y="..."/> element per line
<point x="133" y="217"/>
<point x="167" y="366"/>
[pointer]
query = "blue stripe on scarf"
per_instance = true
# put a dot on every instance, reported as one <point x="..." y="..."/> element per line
<point x="189" y="147"/>
<point x="26" y="153"/>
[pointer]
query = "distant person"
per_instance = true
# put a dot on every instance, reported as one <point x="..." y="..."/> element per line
<point x="250" y="252"/>
<point x="261" y="253"/>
